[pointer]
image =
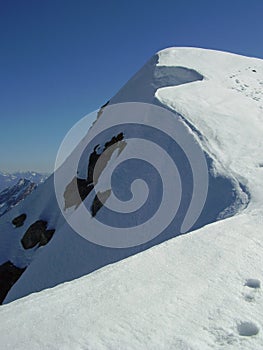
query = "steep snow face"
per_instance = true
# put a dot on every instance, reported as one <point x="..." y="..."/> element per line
<point x="142" y="86"/>
<point x="68" y="255"/>
<point x="202" y="290"/>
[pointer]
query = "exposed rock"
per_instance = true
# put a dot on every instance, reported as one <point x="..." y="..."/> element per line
<point x="101" y="109"/>
<point x="84" y="188"/>
<point x="9" y="274"/>
<point x="19" y="220"/>
<point x="118" y="143"/>
<point x="46" y="237"/>
<point x="78" y="189"/>
<point x="71" y="195"/>
<point x="37" y="233"/>
<point x="92" y="162"/>
<point x="99" y="201"/>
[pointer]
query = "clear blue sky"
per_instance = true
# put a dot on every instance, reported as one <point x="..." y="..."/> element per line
<point x="61" y="59"/>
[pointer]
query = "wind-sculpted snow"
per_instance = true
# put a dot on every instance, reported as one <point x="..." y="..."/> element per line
<point x="132" y="180"/>
<point x="143" y="85"/>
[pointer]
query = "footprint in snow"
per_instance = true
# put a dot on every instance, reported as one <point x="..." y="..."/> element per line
<point x="249" y="297"/>
<point x="252" y="285"/>
<point x="247" y="329"/>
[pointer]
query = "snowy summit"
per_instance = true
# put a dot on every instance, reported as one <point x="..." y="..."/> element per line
<point x="197" y="291"/>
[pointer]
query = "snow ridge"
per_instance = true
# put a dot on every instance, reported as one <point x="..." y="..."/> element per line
<point x="199" y="291"/>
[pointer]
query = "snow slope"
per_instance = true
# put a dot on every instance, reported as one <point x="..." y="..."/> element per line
<point x="198" y="291"/>
<point x="187" y="293"/>
<point x="68" y="256"/>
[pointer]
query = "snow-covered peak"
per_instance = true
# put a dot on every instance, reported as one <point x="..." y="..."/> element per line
<point x="198" y="291"/>
<point x="226" y="108"/>
<point x="240" y="73"/>
<point x="220" y="64"/>
<point x="178" y="71"/>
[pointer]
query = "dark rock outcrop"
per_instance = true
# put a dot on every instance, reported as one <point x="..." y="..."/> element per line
<point x="19" y="220"/>
<point x="9" y="274"/>
<point x="118" y="143"/>
<point x="46" y="237"/>
<point x="76" y="191"/>
<point x="102" y="108"/>
<point x="99" y="201"/>
<point x="37" y="233"/>
<point x="74" y="198"/>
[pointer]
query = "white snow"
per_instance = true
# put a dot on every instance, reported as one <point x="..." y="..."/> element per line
<point x="187" y="293"/>
<point x="198" y="291"/>
<point x="230" y="120"/>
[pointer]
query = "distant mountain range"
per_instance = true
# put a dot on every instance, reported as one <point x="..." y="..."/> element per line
<point x="10" y="179"/>
<point x="16" y="187"/>
<point x="12" y="195"/>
